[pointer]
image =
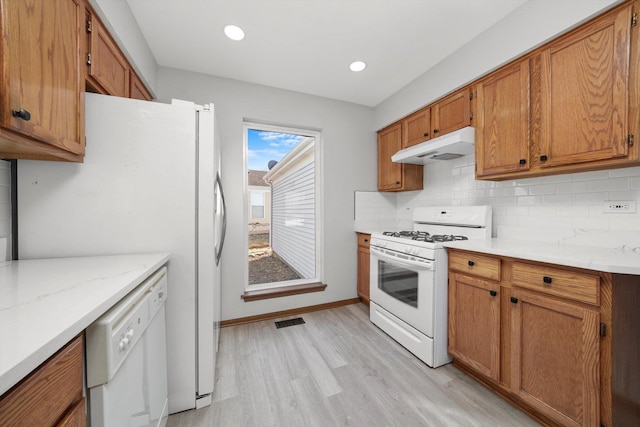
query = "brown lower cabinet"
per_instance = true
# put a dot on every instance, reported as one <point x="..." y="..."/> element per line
<point x="363" y="266"/>
<point x="51" y="395"/>
<point x="559" y="342"/>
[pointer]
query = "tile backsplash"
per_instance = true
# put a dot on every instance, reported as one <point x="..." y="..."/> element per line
<point x="543" y="208"/>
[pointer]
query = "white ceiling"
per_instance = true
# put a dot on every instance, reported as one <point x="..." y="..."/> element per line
<point x="307" y="45"/>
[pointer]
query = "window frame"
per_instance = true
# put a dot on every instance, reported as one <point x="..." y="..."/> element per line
<point x="319" y="197"/>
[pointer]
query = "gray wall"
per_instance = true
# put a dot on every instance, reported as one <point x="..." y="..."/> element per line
<point x="349" y="163"/>
<point x="527" y="27"/>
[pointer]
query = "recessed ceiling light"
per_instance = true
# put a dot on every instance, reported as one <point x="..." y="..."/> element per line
<point x="357" y="66"/>
<point x="233" y="32"/>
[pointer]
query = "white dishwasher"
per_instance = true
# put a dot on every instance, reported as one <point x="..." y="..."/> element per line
<point x="127" y="359"/>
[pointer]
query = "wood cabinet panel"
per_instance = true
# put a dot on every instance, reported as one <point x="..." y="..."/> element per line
<point x="503" y="122"/>
<point x="49" y="393"/>
<point x="395" y="176"/>
<point x="474" y="323"/>
<point x="107" y="66"/>
<point x="475" y="264"/>
<point x="416" y="128"/>
<point x="451" y="113"/>
<point x="584" y="93"/>
<point x="76" y="417"/>
<point x="42" y="77"/>
<point x="560" y="282"/>
<point x="363" y="266"/>
<point x="137" y="89"/>
<point x="555" y="358"/>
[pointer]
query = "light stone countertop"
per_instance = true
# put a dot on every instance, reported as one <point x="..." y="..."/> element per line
<point x="44" y="303"/>
<point x="622" y="259"/>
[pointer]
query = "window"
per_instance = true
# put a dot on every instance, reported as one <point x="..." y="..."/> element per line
<point x="257" y="205"/>
<point x="283" y="193"/>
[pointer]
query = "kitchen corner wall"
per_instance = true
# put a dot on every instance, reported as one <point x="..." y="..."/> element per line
<point x="545" y="208"/>
<point x="5" y="210"/>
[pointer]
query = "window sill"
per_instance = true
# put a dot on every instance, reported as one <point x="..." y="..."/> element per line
<point x="283" y="291"/>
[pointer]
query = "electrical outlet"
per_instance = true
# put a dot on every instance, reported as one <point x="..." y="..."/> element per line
<point x="620" y="206"/>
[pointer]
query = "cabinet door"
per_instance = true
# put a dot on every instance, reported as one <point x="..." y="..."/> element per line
<point x="363" y="273"/>
<point x="42" y="75"/>
<point x="416" y="128"/>
<point x="556" y="358"/>
<point x="474" y="323"/>
<point x="585" y="84"/>
<point x="389" y="143"/>
<point x="502" y="121"/>
<point x="451" y="113"/>
<point x="137" y="89"/>
<point x="107" y="65"/>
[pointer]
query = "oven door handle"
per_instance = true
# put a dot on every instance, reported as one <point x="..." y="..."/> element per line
<point x="399" y="261"/>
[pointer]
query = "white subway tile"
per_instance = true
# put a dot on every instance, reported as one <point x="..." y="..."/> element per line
<point x="611" y="184"/>
<point x="537" y="190"/>
<point x="595" y="223"/>
<point x="556" y="178"/>
<point x="635" y="183"/>
<point x="588" y="198"/>
<point x="624" y="223"/>
<point x="633" y="171"/>
<point x="588" y="176"/>
<point x="572" y="187"/>
<point x="529" y="200"/>
<point x="557" y="199"/>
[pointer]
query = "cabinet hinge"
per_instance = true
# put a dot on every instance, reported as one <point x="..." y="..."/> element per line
<point x="88" y="59"/>
<point x="603" y="330"/>
<point x="88" y="26"/>
<point x="471" y="96"/>
<point x="634" y="19"/>
<point x="470" y="115"/>
<point x="630" y="140"/>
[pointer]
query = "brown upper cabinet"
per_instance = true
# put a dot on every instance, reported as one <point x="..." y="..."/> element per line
<point x="584" y="93"/>
<point x="107" y="67"/>
<point x="416" y="128"/>
<point x="51" y="52"/>
<point x="395" y="176"/>
<point x="137" y="89"/>
<point x="451" y="113"/>
<point x="42" y="105"/>
<point x="502" y="121"/>
<point x="572" y="105"/>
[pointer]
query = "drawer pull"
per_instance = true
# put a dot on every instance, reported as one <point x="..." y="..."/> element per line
<point x="471" y="263"/>
<point x="514" y="300"/>
<point x="546" y="279"/>
<point x="493" y="293"/>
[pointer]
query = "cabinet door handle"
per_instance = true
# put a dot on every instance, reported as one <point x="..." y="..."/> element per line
<point x="514" y="300"/>
<point x="426" y="134"/>
<point x="543" y="158"/>
<point x="21" y="114"/>
<point x="523" y="161"/>
<point x="493" y="293"/>
<point x="471" y="263"/>
<point x="435" y="131"/>
<point x="366" y="240"/>
<point x="546" y="279"/>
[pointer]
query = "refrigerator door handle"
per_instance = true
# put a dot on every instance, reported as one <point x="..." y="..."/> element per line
<point x="224" y="219"/>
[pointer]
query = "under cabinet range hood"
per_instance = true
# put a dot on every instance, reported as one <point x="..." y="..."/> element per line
<point x="446" y="147"/>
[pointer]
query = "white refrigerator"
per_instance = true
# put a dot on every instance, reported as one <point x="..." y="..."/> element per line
<point x="149" y="183"/>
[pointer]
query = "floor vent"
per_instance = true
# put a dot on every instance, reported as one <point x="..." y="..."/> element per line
<point x="289" y="322"/>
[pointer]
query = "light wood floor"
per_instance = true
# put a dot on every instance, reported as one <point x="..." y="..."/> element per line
<point x="338" y="369"/>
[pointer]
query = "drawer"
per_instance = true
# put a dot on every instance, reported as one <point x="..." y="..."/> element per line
<point x="49" y="392"/>
<point x="568" y="284"/>
<point x="364" y="239"/>
<point x="475" y="264"/>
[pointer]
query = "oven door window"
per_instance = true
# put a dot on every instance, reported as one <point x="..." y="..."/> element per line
<point x="398" y="282"/>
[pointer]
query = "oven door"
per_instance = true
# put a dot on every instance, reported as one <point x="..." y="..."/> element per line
<point x="404" y="286"/>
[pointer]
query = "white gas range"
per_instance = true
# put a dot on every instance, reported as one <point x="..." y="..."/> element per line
<point x="408" y="287"/>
